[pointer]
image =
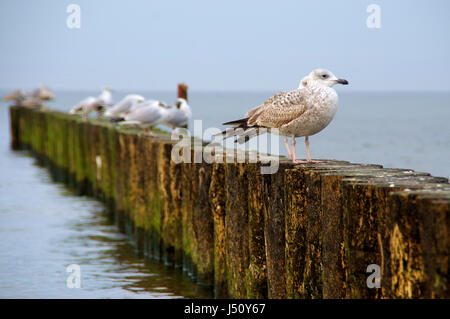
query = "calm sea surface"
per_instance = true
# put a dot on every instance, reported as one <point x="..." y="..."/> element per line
<point x="44" y="227"/>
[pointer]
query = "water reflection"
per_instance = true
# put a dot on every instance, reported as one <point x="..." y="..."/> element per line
<point x="44" y="228"/>
<point x="103" y="248"/>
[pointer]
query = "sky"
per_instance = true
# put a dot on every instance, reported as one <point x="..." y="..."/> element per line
<point x="224" y="45"/>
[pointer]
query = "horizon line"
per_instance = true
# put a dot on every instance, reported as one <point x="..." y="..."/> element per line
<point x="203" y="90"/>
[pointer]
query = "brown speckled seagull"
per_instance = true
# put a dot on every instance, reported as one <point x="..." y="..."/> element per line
<point x="301" y="112"/>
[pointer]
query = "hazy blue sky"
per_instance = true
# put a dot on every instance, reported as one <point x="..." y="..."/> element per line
<point x="224" y="45"/>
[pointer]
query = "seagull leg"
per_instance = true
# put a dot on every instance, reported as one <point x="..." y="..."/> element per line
<point x="287" y="147"/>
<point x="293" y="153"/>
<point x="308" y="158"/>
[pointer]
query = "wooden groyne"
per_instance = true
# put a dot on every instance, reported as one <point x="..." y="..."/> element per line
<point x="307" y="231"/>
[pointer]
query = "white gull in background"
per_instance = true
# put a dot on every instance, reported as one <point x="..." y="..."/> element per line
<point x="40" y="94"/>
<point x="135" y="106"/>
<point x="91" y="103"/>
<point x="147" y="114"/>
<point x="301" y="112"/>
<point x="151" y="113"/>
<point x="43" y="93"/>
<point x="124" y="105"/>
<point x="179" y="114"/>
<point x="15" y="96"/>
<point x="24" y="99"/>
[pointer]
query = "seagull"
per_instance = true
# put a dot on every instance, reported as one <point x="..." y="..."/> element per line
<point x="79" y="108"/>
<point x="23" y="99"/>
<point x="151" y="113"/>
<point x="91" y="103"/>
<point x="301" y="112"/>
<point x="179" y="114"/>
<point x="135" y="106"/>
<point x="124" y="105"/>
<point x="29" y="100"/>
<point x="147" y="114"/>
<point x="15" y="96"/>
<point x="43" y="93"/>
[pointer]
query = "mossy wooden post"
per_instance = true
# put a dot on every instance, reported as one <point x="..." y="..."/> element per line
<point x="120" y="181"/>
<point x="66" y="146"/>
<point x="274" y="230"/>
<point x="203" y="226"/>
<point x="72" y="153"/>
<point x="333" y="266"/>
<point x="80" y="176"/>
<point x="156" y="201"/>
<point x="151" y="224"/>
<point x="434" y="222"/>
<point x="408" y="269"/>
<point x="112" y="139"/>
<point x="367" y="228"/>
<point x="128" y="160"/>
<point x="295" y="232"/>
<point x="95" y="161"/>
<point x="90" y="166"/>
<point x="136" y="182"/>
<point x="168" y="222"/>
<point x="140" y="199"/>
<point x="40" y="136"/>
<point x="360" y="236"/>
<point x="107" y="161"/>
<point x="217" y="195"/>
<point x="312" y="279"/>
<point x="14" y="127"/>
<point x="257" y="271"/>
<point x="236" y="223"/>
<point x="187" y="188"/>
<point x="61" y="145"/>
<point x="175" y="208"/>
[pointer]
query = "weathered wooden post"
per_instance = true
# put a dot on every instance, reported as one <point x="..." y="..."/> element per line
<point x="182" y="91"/>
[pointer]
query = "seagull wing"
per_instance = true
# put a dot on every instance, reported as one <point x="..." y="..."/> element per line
<point x="120" y="107"/>
<point x="146" y="114"/>
<point x="279" y="110"/>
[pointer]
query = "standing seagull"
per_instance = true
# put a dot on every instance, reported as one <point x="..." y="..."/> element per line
<point x="43" y="93"/>
<point x="15" y="96"/>
<point x="179" y="114"/>
<point x="23" y="99"/>
<point x="91" y="103"/>
<point x="301" y="112"/>
<point x="124" y="105"/>
<point x="148" y="114"/>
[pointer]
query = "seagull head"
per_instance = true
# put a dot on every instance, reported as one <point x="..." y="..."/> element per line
<point x="182" y="105"/>
<point x="322" y="77"/>
<point x="106" y="96"/>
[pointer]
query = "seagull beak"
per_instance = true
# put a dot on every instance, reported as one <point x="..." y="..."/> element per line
<point x="342" y="81"/>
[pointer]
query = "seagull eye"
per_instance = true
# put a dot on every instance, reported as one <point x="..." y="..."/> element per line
<point x="324" y="76"/>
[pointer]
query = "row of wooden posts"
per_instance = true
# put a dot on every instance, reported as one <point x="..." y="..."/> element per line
<point x="307" y="231"/>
